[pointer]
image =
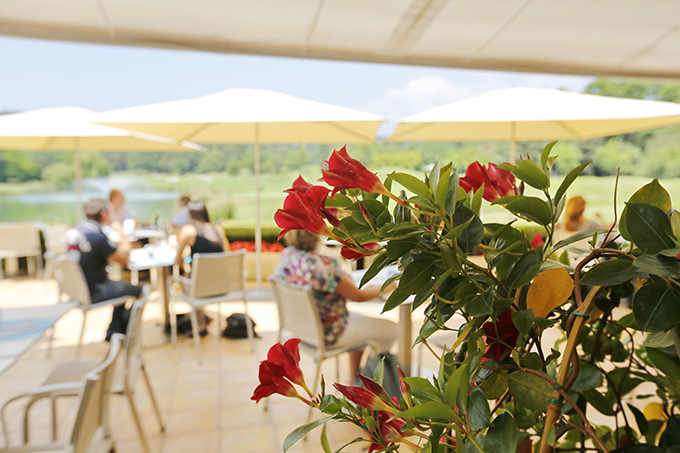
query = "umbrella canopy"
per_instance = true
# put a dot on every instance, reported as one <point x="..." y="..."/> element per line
<point x="248" y="116"/>
<point x="65" y="129"/>
<point x="531" y="114"/>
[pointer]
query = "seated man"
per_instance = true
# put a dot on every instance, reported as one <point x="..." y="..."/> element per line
<point x="87" y="244"/>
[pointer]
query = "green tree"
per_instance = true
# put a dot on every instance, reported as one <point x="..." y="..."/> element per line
<point x="570" y="156"/>
<point x="17" y="166"/>
<point x="617" y="153"/>
<point x="60" y="174"/>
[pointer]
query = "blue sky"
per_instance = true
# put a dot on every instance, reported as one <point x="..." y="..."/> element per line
<point x="38" y="74"/>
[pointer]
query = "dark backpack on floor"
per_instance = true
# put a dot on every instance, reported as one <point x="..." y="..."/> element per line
<point x="237" y="327"/>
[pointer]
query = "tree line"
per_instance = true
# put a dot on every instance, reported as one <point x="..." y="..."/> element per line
<point x="652" y="153"/>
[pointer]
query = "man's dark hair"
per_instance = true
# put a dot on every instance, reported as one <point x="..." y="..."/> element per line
<point x="94" y="208"/>
<point x="184" y="200"/>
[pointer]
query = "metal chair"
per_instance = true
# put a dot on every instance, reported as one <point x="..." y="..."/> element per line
<point x="72" y="283"/>
<point x="214" y="276"/>
<point x="93" y="411"/>
<point x="55" y="244"/>
<point x="19" y="240"/>
<point x="299" y="317"/>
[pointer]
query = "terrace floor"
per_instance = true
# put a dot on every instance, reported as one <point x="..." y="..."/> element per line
<point x="206" y="408"/>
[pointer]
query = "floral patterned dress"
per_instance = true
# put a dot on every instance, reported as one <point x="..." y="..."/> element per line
<point x="321" y="274"/>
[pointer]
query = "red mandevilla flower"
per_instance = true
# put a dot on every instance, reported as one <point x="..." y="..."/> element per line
<point x="537" y="240"/>
<point x="501" y="336"/>
<point x="345" y="172"/>
<point x="352" y="254"/>
<point x="302" y="212"/>
<point x="288" y="356"/>
<point x="299" y="185"/>
<point x="497" y="183"/>
<point x="364" y="398"/>
<point x="271" y="382"/>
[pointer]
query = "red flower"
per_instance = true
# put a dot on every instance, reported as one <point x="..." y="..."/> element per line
<point x="345" y="172"/>
<point x="364" y="398"/>
<point x="302" y="212"/>
<point x="299" y="185"/>
<point x="388" y="432"/>
<point x="537" y="240"/>
<point x="272" y="381"/>
<point x="352" y="254"/>
<point x="497" y="183"/>
<point x="501" y="336"/>
<point x="288" y="356"/>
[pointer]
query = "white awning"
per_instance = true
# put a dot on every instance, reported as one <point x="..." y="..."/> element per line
<point x="622" y="38"/>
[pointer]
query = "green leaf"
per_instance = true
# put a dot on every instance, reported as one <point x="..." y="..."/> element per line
<point x="532" y="208"/>
<point x="478" y="411"/>
<point x="668" y="365"/>
<point x="502" y="436"/>
<point x="462" y="374"/>
<point x="299" y="433"/>
<point x="658" y="265"/>
<point x="531" y="173"/>
<point x="470" y="238"/>
<point x="476" y="203"/>
<point x="482" y="304"/>
<point x="398" y="248"/>
<point x="589" y="377"/>
<point x="523" y="320"/>
<point x="430" y="410"/>
<point x="424" y="292"/>
<point x="608" y="273"/>
<point x="452" y="194"/>
<point x="569" y="180"/>
<point x="649" y="227"/>
<point x="656" y="307"/>
<point x="530" y="391"/>
<point x="435" y="175"/>
<point x="417" y="274"/>
<point x="395" y="299"/>
<point x="423" y="384"/>
<point x="545" y="154"/>
<point x="578" y="236"/>
<point x="442" y="187"/>
<point x="642" y="423"/>
<point x="379" y="263"/>
<point x="653" y="194"/>
<point x="658" y="340"/>
<point x="675" y="223"/>
<point x="599" y="402"/>
<point x="411" y="183"/>
<point x="324" y="440"/>
<point x="525" y="268"/>
<point x="455" y="231"/>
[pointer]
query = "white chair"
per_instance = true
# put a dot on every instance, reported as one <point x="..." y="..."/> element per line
<point x="299" y="318"/>
<point x="55" y="244"/>
<point x="67" y="375"/>
<point x="72" y="283"/>
<point x="93" y="411"/>
<point x="19" y="240"/>
<point x="214" y="276"/>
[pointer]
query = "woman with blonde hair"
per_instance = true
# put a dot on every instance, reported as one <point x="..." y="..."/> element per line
<point x="573" y="216"/>
<point x="302" y="265"/>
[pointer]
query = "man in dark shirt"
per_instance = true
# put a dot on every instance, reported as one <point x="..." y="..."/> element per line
<point x="87" y="244"/>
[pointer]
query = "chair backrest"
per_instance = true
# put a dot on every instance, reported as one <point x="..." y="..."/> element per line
<point x="94" y="400"/>
<point x="71" y="279"/>
<point x="19" y="237"/>
<point x="298" y="313"/>
<point x="215" y="274"/>
<point x="55" y="236"/>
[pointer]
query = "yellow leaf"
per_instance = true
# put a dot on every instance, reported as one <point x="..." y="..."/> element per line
<point x="549" y="290"/>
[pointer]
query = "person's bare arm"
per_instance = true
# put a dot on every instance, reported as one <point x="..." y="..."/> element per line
<point x="223" y="236"/>
<point x="186" y="237"/>
<point x="120" y="257"/>
<point x="349" y="291"/>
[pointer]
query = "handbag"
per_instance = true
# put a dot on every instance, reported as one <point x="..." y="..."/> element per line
<point x="237" y="327"/>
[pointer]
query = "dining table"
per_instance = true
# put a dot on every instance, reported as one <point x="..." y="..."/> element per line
<point x="160" y="259"/>
<point x="21" y="327"/>
<point x="405" y="324"/>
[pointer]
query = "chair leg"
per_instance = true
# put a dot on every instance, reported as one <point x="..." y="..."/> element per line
<point x="249" y="326"/>
<point x="152" y="395"/>
<point x="219" y="318"/>
<point x="49" y="342"/>
<point x="31" y="265"/>
<point x="173" y="324"/>
<point x="82" y="334"/>
<point x="314" y="386"/>
<point x="194" y="330"/>
<point x="54" y="419"/>
<point x="39" y="263"/>
<point x="49" y="269"/>
<point x="135" y="416"/>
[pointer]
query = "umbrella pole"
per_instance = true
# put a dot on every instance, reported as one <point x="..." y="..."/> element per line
<point x="258" y="226"/>
<point x="78" y="177"/>
<point x="513" y="143"/>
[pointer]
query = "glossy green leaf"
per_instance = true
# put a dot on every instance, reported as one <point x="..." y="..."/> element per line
<point x="353" y="441"/>
<point x="670" y="366"/>
<point x="643" y="424"/>
<point x="569" y="180"/>
<point x="658" y="340"/>
<point x="532" y="208"/>
<point x="411" y="183"/>
<point x="452" y="193"/>
<point x="442" y="187"/>
<point x="599" y="402"/>
<point x="424" y="293"/>
<point x="675" y="223"/>
<point x="424" y="385"/>
<point x="476" y="203"/>
<point x="482" y="304"/>
<point x="525" y="268"/>
<point x="455" y="231"/>
<point x="653" y="194"/>
<point x="478" y="411"/>
<point x="612" y="272"/>
<point x="324" y="440"/>
<point x="495" y="385"/>
<point x="502" y="436"/>
<point x="589" y="377"/>
<point x="545" y="154"/>
<point x="452" y="387"/>
<point x="579" y="236"/>
<point x="398" y="248"/>
<point x="531" y="391"/>
<point x="435" y="175"/>
<point x="417" y="274"/>
<point x="670" y="439"/>
<point x="531" y="173"/>
<point x="395" y="299"/>
<point x="658" y="265"/>
<point x="649" y="227"/>
<point x="379" y="263"/>
<point x="430" y="410"/>
<point x="299" y="433"/>
<point x="523" y="320"/>
<point x="656" y="307"/>
<point x="470" y="238"/>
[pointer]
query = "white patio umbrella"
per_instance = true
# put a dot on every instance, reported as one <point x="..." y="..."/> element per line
<point x="531" y="114"/>
<point x="248" y="116"/>
<point x="65" y="129"/>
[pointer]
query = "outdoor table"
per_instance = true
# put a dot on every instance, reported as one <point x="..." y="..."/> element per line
<point x="160" y="258"/>
<point x="22" y="327"/>
<point x="405" y="325"/>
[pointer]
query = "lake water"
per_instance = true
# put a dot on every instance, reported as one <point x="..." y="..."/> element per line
<point x="142" y="202"/>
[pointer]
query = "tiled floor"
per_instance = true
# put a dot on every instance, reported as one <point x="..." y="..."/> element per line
<point x="206" y="408"/>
